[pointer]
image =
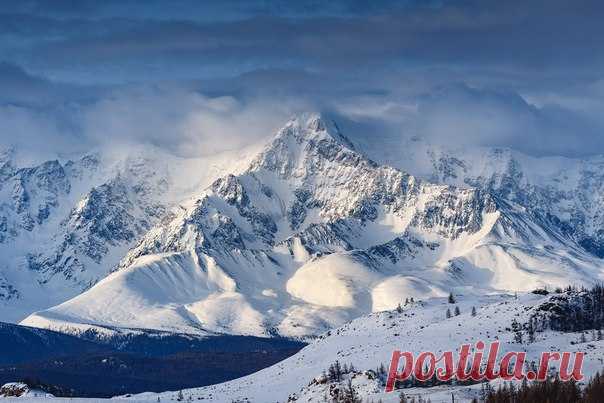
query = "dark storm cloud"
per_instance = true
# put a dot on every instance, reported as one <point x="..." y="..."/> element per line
<point x="218" y="10"/>
<point x="505" y="73"/>
<point x="133" y="38"/>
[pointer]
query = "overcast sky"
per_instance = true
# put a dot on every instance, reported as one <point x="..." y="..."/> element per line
<point x="180" y="74"/>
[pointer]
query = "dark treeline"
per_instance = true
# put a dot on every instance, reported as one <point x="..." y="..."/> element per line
<point x="551" y="391"/>
<point x="573" y="310"/>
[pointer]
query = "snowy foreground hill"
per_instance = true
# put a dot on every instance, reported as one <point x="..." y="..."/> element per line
<point x="312" y="234"/>
<point x="368" y="341"/>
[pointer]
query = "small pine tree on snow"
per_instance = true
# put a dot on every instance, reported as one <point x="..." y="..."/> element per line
<point x="406" y="301"/>
<point x="448" y="313"/>
<point x="473" y="311"/>
<point x="399" y="308"/>
<point x="337" y="371"/>
<point x="331" y="372"/>
<point x="517" y="329"/>
<point x="350" y="395"/>
<point x="412" y="300"/>
<point x="180" y="397"/>
<point x="531" y="331"/>
<point x="483" y="391"/>
<point x="381" y="373"/>
<point x="457" y="311"/>
<point x="451" y="298"/>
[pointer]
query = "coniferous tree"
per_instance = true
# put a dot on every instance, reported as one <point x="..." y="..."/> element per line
<point x="381" y="373"/>
<point x="448" y="313"/>
<point x="550" y="391"/>
<point x="594" y="390"/>
<point x="457" y="311"/>
<point x="451" y="298"/>
<point x="531" y="331"/>
<point x="338" y="371"/>
<point x="517" y="329"/>
<point x="350" y="395"/>
<point x="473" y="311"/>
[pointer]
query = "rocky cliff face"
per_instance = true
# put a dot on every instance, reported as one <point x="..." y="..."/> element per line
<point x="566" y="193"/>
<point x="64" y="225"/>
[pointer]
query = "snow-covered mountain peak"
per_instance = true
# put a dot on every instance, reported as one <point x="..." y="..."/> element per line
<point x="307" y="125"/>
<point x="303" y="141"/>
<point x="313" y="233"/>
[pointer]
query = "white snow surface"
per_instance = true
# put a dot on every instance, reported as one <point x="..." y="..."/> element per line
<point x="369" y="341"/>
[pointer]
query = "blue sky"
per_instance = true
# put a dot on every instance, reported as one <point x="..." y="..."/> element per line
<point x="523" y="74"/>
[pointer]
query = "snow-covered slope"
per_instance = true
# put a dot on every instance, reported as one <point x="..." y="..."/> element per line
<point x="368" y="342"/>
<point x="313" y="234"/>
<point x="65" y="224"/>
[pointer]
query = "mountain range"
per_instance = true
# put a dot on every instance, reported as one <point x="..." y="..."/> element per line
<point x="310" y="232"/>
